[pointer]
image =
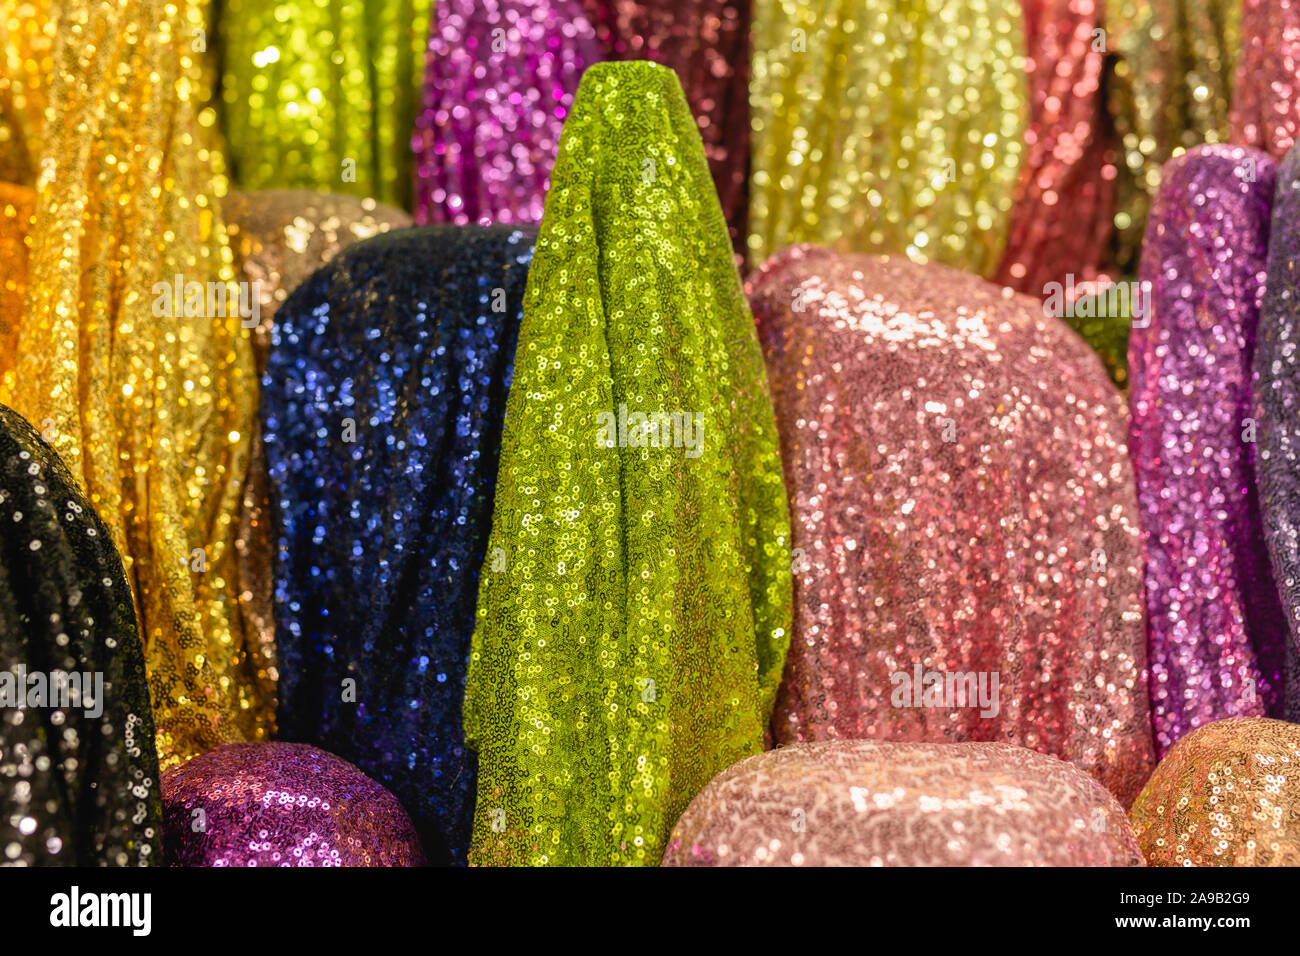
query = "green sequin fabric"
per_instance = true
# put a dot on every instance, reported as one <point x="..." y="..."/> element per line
<point x="635" y="603"/>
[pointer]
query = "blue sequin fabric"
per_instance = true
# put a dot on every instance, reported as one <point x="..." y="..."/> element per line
<point x="382" y="403"/>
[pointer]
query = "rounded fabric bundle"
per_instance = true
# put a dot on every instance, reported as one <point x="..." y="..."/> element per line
<point x="631" y="645"/>
<point x="1225" y="795"/>
<point x="383" y="401"/>
<point x="322" y="95"/>
<point x="78" y="770"/>
<point x="499" y="81"/>
<point x="1216" y="631"/>
<point x="1061" y="221"/>
<point x="706" y="43"/>
<point x="863" y="803"/>
<point x="132" y="359"/>
<point x="903" y="134"/>
<point x="965" y="525"/>
<point x="279" y="804"/>
<point x="1266" y="91"/>
<point x="1171" y="89"/>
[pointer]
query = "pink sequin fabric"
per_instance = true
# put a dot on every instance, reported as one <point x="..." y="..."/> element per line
<point x="499" y="81"/>
<point x="1216" y="629"/>
<point x="864" y="803"/>
<point x="964" y="517"/>
<point x="1266" y="90"/>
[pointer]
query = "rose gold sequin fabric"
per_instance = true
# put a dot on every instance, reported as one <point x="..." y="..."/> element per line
<point x="963" y="511"/>
<point x="863" y="803"/>
<point x="1228" y="794"/>
<point x="1266" y="93"/>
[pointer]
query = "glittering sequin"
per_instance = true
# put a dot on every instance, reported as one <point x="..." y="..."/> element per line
<point x="17" y="204"/>
<point x="1215" y="628"/>
<point x="1266" y="93"/>
<point x="498" y="84"/>
<point x="383" y="400"/>
<point x="862" y="803"/>
<point x="631" y="645"/>
<point x="322" y="94"/>
<point x="706" y="42"/>
<point x="148" y="402"/>
<point x="963" y="512"/>
<point x="26" y="65"/>
<point x="1061" y="222"/>
<point x="279" y="804"/>
<point x="78" y="776"/>
<point x="1173" y="63"/>
<point x="1226" y="795"/>
<point x="893" y="126"/>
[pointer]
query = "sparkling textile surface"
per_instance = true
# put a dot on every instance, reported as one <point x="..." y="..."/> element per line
<point x="411" y="337"/>
<point x="1061" y="221"/>
<point x="962" y="503"/>
<point x="1276" y="389"/>
<point x="632" y="645"/>
<point x="17" y="204"/>
<point x="26" y="65"/>
<point x="706" y="42"/>
<point x="1225" y="795"/>
<point x="147" y="401"/>
<point x="499" y="80"/>
<point x="281" y="804"/>
<point x="1170" y="90"/>
<point x="1266" y="89"/>
<point x="280" y="237"/>
<point x="887" y="126"/>
<point x="322" y="94"/>
<point x="78" y="782"/>
<point x="864" y="803"/>
<point x="1216" y="630"/>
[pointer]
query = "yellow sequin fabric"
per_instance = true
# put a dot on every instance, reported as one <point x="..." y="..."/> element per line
<point x="887" y="126"/>
<point x="635" y="603"/>
<point x="16" y="206"/>
<point x="148" y="397"/>
<point x="1170" y="90"/>
<point x="322" y="94"/>
<point x="1227" y="794"/>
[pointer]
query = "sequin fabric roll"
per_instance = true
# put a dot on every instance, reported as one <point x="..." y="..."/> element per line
<point x="965" y="523"/>
<point x="707" y="44"/>
<point x="1225" y="795"/>
<point x="322" y="94"/>
<point x="132" y="359"/>
<point x="78" y="770"/>
<point x="1266" y="89"/>
<point x="865" y="803"/>
<point x="1062" y="219"/>
<point x="17" y="204"/>
<point x="1276" y="389"/>
<point x="281" y="804"/>
<point x="893" y="126"/>
<point x="631" y="645"/>
<point x="1170" y="89"/>
<point x="499" y="80"/>
<point x="383" y="401"/>
<point x="1216" y="630"/>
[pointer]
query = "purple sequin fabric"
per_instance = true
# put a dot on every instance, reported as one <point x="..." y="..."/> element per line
<point x="499" y="81"/>
<point x="1215" y="627"/>
<point x="281" y="804"/>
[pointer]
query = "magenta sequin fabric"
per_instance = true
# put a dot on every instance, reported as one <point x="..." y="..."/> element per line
<point x="863" y="803"/>
<point x="964" y="518"/>
<point x="281" y="804"/>
<point x="499" y="81"/>
<point x="1215" y="626"/>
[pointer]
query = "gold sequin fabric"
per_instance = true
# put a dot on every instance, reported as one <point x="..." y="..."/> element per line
<point x="147" y="396"/>
<point x="1227" y="794"/>
<point x="864" y="803"/>
<point x="16" y="206"/>
<point x="964" y="515"/>
<point x="1169" y="90"/>
<point x="322" y="94"/>
<point x="26" y="64"/>
<point x="634" y="605"/>
<point x="887" y="126"/>
<point x="280" y="237"/>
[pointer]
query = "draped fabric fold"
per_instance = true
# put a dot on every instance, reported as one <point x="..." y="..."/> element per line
<point x="1266" y="88"/>
<point x="632" y="631"/>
